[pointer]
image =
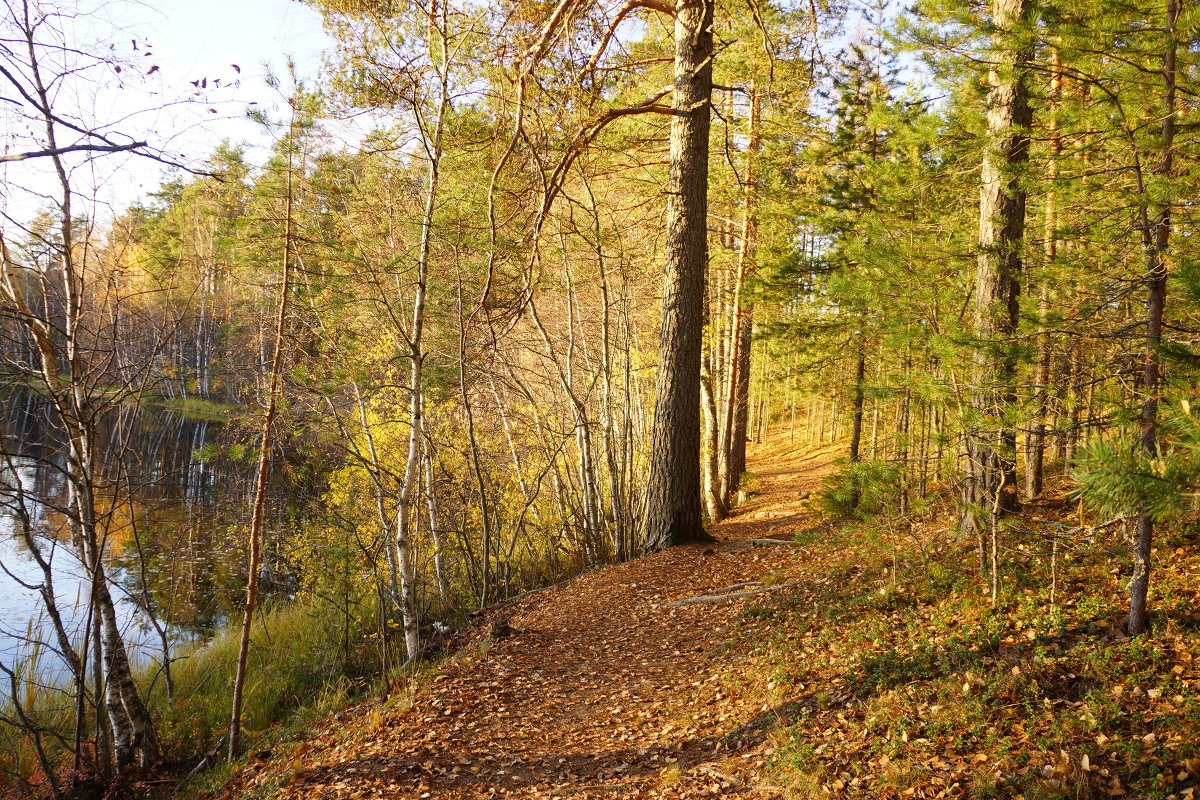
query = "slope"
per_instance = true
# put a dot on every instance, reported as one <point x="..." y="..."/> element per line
<point x="802" y="658"/>
<point x="600" y="689"/>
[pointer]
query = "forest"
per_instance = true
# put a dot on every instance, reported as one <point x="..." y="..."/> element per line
<point x="286" y="428"/>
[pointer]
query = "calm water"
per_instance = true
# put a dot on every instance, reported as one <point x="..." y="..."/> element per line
<point x="173" y="521"/>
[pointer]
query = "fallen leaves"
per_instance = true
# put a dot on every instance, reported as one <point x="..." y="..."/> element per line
<point x="594" y="694"/>
<point x="602" y="692"/>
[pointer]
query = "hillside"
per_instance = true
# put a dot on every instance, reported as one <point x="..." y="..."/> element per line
<point x="866" y="670"/>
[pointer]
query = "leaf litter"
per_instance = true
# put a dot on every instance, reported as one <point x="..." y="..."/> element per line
<point x="873" y="672"/>
<point x="600" y="690"/>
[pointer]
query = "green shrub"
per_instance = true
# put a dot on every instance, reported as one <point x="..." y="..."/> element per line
<point x="860" y="490"/>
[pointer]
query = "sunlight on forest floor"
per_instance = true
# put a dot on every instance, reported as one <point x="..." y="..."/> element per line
<point x="870" y="665"/>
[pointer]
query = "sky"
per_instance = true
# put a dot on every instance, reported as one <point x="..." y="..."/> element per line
<point x="213" y="40"/>
<point x="190" y="70"/>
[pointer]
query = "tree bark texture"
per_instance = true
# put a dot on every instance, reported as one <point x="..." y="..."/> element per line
<point x="714" y="501"/>
<point x="991" y="481"/>
<point x="1156" y="234"/>
<point x="860" y="373"/>
<point x="673" y="491"/>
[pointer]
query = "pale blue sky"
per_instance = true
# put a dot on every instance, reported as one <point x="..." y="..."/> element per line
<point x="165" y="45"/>
<point x="197" y="41"/>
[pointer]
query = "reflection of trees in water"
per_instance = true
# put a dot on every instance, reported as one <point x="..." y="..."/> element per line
<point x="170" y="518"/>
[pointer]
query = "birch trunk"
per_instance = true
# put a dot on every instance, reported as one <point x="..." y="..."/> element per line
<point x="737" y="406"/>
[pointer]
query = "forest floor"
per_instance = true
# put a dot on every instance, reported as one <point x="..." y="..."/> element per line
<point x="599" y="691"/>
<point x="875" y="667"/>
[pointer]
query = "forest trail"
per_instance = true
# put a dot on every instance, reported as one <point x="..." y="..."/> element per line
<point x="599" y="692"/>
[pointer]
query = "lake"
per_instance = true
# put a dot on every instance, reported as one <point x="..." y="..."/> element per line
<point x="172" y="510"/>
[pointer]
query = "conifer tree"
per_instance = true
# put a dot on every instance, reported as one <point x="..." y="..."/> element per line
<point x="673" y="491"/>
<point x="991" y="484"/>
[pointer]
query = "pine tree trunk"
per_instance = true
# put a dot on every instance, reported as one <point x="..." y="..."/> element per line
<point x="1155" y="239"/>
<point x="740" y="432"/>
<point x="923" y="449"/>
<point x="1070" y="433"/>
<point x="673" y="490"/>
<point x="860" y="372"/>
<point x="258" y="516"/>
<point x="1035" y="457"/>
<point x="991" y="485"/>
<point x="904" y="438"/>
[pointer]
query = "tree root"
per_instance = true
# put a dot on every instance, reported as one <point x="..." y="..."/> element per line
<point x="721" y="598"/>
<point x="745" y="544"/>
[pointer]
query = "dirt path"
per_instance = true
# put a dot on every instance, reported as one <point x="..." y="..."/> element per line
<point x="600" y="691"/>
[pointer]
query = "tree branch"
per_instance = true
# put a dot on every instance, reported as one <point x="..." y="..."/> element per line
<point x="75" y="148"/>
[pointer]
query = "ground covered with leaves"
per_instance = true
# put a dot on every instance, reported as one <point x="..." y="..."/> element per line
<point x="857" y="660"/>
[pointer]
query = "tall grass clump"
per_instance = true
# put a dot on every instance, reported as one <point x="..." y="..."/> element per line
<point x="299" y="651"/>
<point x="34" y="712"/>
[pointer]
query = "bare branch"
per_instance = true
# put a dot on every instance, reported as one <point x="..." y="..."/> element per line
<point x="76" y="148"/>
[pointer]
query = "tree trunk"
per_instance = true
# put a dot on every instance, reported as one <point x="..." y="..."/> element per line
<point x="258" y="516"/>
<point x="991" y="486"/>
<point x="737" y="406"/>
<point x="58" y="353"/>
<point x="860" y="373"/>
<point x="714" y="503"/>
<point x="416" y="357"/>
<point x="1155" y="238"/>
<point x="609" y="427"/>
<point x="485" y="512"/>
<point x="673" y="490"/>
<point x="1035" y="453"/>
<point x="434" y="533"/>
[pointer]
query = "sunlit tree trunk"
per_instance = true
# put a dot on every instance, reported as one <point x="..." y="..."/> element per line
<point x="673" y="490"/>
<point x="710" y="455"/>
<point x="737" y="391"/>
<point x="258" y="516"/>
<point x="991" y="485"/>
<point x="1156" y="232"/>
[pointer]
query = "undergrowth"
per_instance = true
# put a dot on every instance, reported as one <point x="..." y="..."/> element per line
<point x="896" y="677"/>
<point x="299" y="655"/>
<point x="303" y="663"/>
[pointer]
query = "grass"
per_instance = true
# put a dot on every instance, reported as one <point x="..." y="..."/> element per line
<point x="903" y="680"/>
<point x="303" y="664"/>
<point x="299" y="653"/>
<point x="288" y="735"/>
<point x="37" y="701"/>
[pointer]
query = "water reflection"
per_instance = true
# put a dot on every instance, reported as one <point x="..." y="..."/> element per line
<point x="171" y="520"/>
